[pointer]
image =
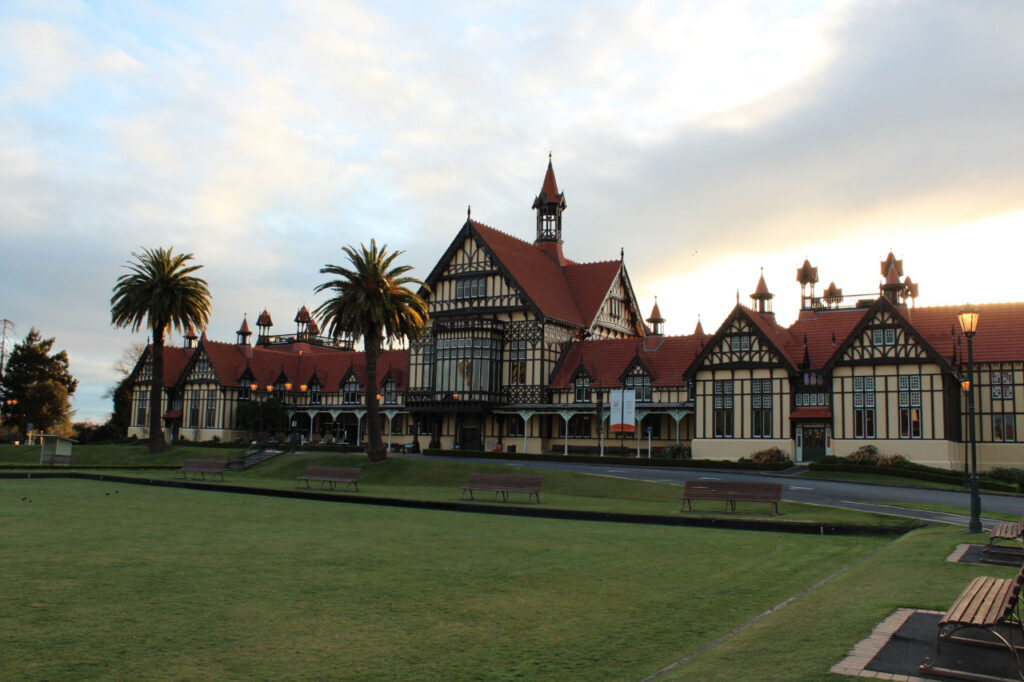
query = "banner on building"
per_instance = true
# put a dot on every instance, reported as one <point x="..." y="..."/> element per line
<point x="623" y="411"/>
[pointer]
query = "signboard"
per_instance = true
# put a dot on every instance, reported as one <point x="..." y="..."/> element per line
<point x="623" y="411"/>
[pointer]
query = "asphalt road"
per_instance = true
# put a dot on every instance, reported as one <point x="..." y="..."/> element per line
<point x="861" y="496"/>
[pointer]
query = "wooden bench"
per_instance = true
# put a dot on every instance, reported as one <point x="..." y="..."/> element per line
<point x="990" y="604"/>
<point x="503" y="484"/>
<point x="63" y="460"/>
<point x="331" y="476"/>
<point x="201" y="467"/>
<point x="731" y="493"/>
<point x="1010" y="532"/>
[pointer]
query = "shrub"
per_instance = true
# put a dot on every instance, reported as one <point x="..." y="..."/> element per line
<point x="768" y="456"/>
<point x="865" y="455"/>
<point x="893" y="461"/>
<point x="1007" y="475"/>
<point x="678" y="451"/>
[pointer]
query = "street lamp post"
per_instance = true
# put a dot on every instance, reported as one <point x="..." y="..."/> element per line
<point x="968" y="317"/>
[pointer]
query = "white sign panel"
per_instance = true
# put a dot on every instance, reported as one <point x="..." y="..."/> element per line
<point x="623" y="411"/>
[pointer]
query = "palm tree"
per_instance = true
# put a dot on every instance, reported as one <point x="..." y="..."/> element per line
<point x="372" y="302"/>
<point x="158" y="292"/>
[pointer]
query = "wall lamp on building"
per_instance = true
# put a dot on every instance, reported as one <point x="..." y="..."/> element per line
<point x="968" y="317"/>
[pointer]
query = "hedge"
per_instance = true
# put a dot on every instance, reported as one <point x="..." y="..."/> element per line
<point x="624" y="461"/>
<point x="922" y="474"/>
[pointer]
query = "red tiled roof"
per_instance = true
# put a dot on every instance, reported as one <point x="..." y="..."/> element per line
<point x="302" y="316"/>
<point x="541" y="279"/>
<point x="264" y="319"/>
<point x="244" y="329"/>
<point x="667" y="358"/>
<point x="589" y="284"/>
<point x="820" y="330"/>
<point x="1000" y="331"/>
<point x="807" y="274"/>
<point x="175" y="360"/>
<point x="762" y="289"/>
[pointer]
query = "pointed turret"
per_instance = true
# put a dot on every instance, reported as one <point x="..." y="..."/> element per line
<point x="833" y="295"/>
<point x="699" y="329"/>
<point x="190" y="336"/>
<point x="889" y="262"/>
<point x="264" y="323"/>
<point x="549" y="205"/>
<point x="243" y="333"/>
<point x="302" y="319"/>
<point x="656" y="320"/>
<point x="807" y="274"/>
<point x="762" y="297"/>
<point x="892" y="287"/>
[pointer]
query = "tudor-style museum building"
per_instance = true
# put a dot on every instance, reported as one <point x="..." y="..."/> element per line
<point x="524" y="346"/>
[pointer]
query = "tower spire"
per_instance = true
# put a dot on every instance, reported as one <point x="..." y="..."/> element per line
<point x="549" y="205"/>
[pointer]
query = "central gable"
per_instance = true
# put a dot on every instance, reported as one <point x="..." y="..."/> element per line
<point x="742" y="342"/>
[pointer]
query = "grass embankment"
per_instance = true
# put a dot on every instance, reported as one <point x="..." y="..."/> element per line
<point x="106" y="580"/>
<point x="859" y="477"/>
<point x="437" y="480"/>
<point x="119" y="454"/>
<point x="803" y="640"/>
<point x="441" y="481"/>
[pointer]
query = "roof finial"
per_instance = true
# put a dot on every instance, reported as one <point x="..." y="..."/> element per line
<point x="469" y="211"/>
<point x="622" y="253"/>
<point x="737" y="297"/>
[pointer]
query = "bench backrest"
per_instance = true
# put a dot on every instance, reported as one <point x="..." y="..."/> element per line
<point x="771" y="491"/>
<point x="204" y="464"/>
<point x="507" y="481"/>
<point x="339" y="472"/>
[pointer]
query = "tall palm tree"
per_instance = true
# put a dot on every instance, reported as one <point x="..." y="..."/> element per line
<point x="158" y="292"/>
<point x="372" y="302"/>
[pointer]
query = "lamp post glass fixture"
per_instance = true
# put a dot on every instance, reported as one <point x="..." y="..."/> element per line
<point x="968" y="317"/>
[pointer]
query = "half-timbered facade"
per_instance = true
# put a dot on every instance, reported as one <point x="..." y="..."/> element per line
<point x="524" y="346"/>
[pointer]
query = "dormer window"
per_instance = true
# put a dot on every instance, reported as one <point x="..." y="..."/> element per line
<point x="740" y="342"/>
<point x="314" y="393"/>
<point x="474" y="287"/>
<point x="641" y="385"/>
<point x="615" y="307"/>
<point x="350" y="392"/>
<point x="390" y="393"/>
<point x="244" y="392"/>
<point x="582" y="385"/>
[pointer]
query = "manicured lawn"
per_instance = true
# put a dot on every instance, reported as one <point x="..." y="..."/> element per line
<point x="952" y="509"/>
<point x="803" y="640"/>
<point x="861" y="477"/>
<point x="103" y="580"/>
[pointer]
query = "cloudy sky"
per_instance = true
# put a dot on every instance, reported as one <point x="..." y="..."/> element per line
<point x="708" y="139"/>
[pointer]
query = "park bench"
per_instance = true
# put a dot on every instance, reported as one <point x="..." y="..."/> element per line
<point x="1009" y="532"/>
<point x="63" y="460"/>
<point x="990" y="604"/>
<point x="201" y="467"/>
<point x="503" y="484"/>
<point x="731" y="493"/>
<point x="330" y="476"/>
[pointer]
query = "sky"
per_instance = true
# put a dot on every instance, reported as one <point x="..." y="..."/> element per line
<point x="709" y="140"/>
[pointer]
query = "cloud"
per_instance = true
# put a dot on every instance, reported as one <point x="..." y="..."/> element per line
<point x="263" y="138"/>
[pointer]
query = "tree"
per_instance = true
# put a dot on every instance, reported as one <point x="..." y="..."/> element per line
<point x="269" y="416"/>
<point x="158" y="292"/>
<point x="41" y="384"/>
<point x="121" y="392"/>
<point x="372" y="302"/>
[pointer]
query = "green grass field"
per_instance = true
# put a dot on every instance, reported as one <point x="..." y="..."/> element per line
<point x="121" y="581"/>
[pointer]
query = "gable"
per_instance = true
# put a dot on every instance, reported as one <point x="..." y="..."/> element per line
<point x="740" y="343"/>
<point x="885" y="337"/>
<point x="200" y="368"/>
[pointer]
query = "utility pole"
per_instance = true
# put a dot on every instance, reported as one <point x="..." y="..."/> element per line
<point x="4" y="325"/>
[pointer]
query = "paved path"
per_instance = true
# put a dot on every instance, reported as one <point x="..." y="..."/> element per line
<point x="869" y="497"/>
